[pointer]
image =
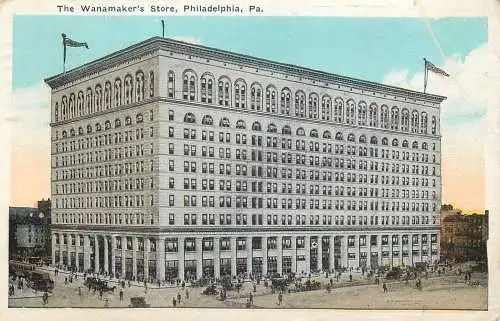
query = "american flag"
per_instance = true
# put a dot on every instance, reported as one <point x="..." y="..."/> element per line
<point x="430" y="66"/>
<point x="71" y="43"/>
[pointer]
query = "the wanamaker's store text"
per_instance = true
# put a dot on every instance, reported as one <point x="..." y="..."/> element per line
<point x="161" y="9"/>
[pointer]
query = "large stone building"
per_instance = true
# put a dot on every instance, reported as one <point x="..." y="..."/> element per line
<point x="173" y="160"/>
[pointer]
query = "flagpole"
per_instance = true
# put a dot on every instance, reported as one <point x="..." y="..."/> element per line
<point x="425" y="75"/>
<point x="163" y="28"/>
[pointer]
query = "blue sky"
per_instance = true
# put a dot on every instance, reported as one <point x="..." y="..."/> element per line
<point x="366" y="48"/>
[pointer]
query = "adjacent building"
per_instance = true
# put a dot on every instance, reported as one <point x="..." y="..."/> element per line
<point x="464" y="237"/>
<point x="28" y="231"/>
<point x="174" y="160"/>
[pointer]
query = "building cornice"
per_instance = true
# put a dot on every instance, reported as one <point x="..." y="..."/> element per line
<point x="152" y="45"/>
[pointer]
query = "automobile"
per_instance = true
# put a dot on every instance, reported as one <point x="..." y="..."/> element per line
<point x="40" y="281"/>
<point x="394" y="274"/>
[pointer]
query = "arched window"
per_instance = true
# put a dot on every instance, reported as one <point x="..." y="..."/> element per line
<point x="327" y="134"/>
<point x="138" y="118"/>
<point x="425" y="146"/>
<point x="285" y="101"/>
<point x="56" y="112"/>
<point x="107" y="125"/>
<point x="433" y="125"/>
<point x="423" y="123"/>
<point x="372" y="115"/>
<point x="90" y="101"/>
<point x="240" y="94"/>
<point x="300" y="132"/>
<point x="362" y="113"/>
<point x="98" y="98"/>
<point x="405" y="143"/>
<point x="384" y="116"/>
<point x="240" y="124"/>
<point x="118" y="92"/>
<point x="350" y="113"/>
<point x="151" y="83"/>
<point x="189" y="118"/>
<point x="80" y="130"/>
<point x="414" y="145"/>
<point x="405" y="121"/>
<point x="207" y="88"/>
<point x="118" y="123"/>
<point x="271" y="104"/>
<point x="300" y="104"/>
<point x="256" y="96"/>
<point x="271" y="128"/>
<point x="362" y="139"/>
<point x="207" y="120"/>
<point x="72" y="132"/>
<point x="414" y="121"/>
<point x="373" y="140"/>
<point x="313" y="133"/>
<point x="171" y="84"/>
<point x="395" y="142"/>
<point x="224" y="122"/>
<point x="351" y="138"/>
<point x="326" y="105"/>
<point x="224" y="91"/>
<point x="313" y="105"/>
<point x="339" y="136"/>
<point x="98" y="127"/>
<point x="72" y="105"/>
<point x="338" y="114"/>
<point x="394" y="118"/>
<point x="107" y="95"/>
<point x="256" y="126"/>
<point x="89" y="129"/>
<point x="139" y="86"/>
<point x="129" y="89"/>
<point x="286" y="130"/>
<point x="189" y="81"/>
<point x="385" y="141"/>
<point x="64" y="134"/>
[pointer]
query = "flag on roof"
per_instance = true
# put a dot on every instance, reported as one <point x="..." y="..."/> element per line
<point x="430" y="66"/>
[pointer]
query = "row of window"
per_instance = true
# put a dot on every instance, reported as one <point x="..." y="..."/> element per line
<point x="257" y="243"/>
<point x="298" y="104"/>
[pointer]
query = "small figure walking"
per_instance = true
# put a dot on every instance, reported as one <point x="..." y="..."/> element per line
<point x="79" y="291"/>
<point x="384" y="286"/>
<point x="121" y="294"/>
<point x="45" y="298"/>
<point x="174" y="302"/>
<point x="179" y="298"/>
<point x="187" y="294"/>
<point x="106" y="303"/>
<point x="254" y="287"/>
<point x="65" y="280"/>
<point x="250" y="298"/>
<point x="280" y="298"/>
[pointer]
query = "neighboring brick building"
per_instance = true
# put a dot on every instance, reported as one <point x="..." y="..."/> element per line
<point x="464" y="237"/>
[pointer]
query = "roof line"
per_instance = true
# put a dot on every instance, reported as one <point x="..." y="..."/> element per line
<point x="294" y="69"/>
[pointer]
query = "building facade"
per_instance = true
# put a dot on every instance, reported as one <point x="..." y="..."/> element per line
<point x="173" y="160"/>
<point x="464" y="237"/>
<point x="27" y="233"/>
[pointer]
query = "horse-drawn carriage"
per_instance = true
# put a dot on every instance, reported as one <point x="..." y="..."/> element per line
<point x="39" y="281"/>
<point x="99" y="285"/>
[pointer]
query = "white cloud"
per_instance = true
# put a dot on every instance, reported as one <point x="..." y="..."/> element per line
<point x="470" y="90"/>
<point x="29" y="115"/>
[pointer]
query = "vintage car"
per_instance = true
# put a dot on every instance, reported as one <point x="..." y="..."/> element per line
<point x="138" y="302"/>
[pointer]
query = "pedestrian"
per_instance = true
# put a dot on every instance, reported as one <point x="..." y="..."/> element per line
<point x="331" y="282"/>
<point x="183" y="284"/>
<point x="100" y="294"/>
<point x="250" y="298"/>
<point x="79" y="291"/>
<point x="121" y="294"/>
<point x="106" y="303"/>
<point x="350" y="277"/>
<point x="45" y="297"/>
<point x="179" y="298"/>
<point x="174" y="302"/>
<point x="187" y="294"/>
<point x="384" y="286"/>
<point x="280" y="298"/>
<point x="65" y="280"/>
<point x="254" y="287"/>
